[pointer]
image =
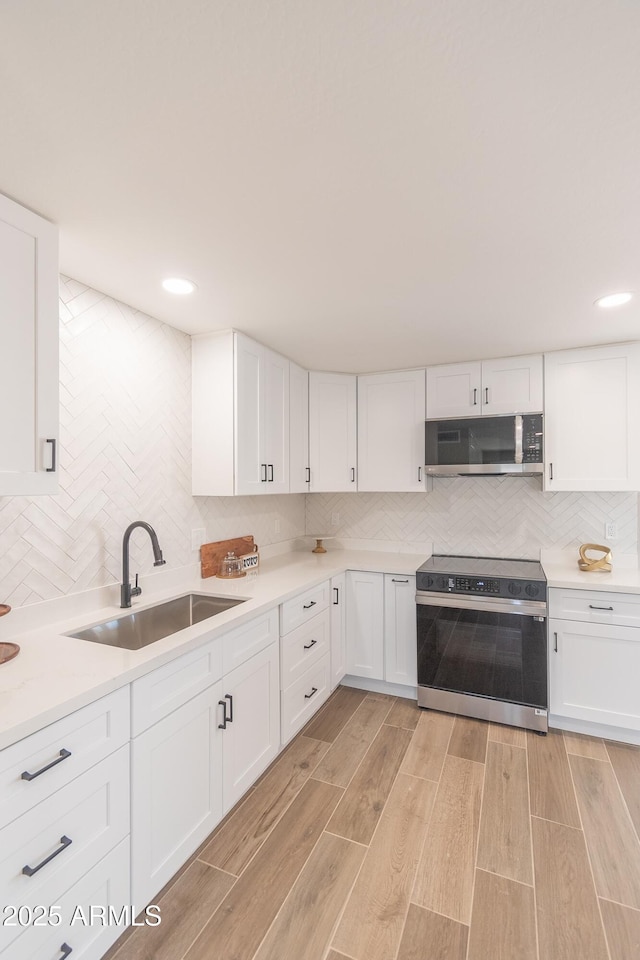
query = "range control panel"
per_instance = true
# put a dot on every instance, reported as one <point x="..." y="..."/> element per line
<point x="473" y="585"/>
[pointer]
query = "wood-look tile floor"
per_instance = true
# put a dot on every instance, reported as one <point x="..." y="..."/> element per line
<point x="386" y="832"/>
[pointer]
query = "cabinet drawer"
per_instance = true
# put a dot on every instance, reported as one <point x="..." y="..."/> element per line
<point x="242" y="643"/>
<point x="295" y="612"/>
<point x="618" y="609"/>
<point x="303" y="697"/>
<point x="167" y="688"/>
<point x="105" y="885"/>
<point x="57" y="754"/>
<point x="303" y="647"/>
<point x="92" y="812"/>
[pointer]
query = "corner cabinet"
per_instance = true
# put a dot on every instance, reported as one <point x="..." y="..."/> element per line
<point x="240" y="432"/>
<point x="592" y="398"/>
<point x="332" y="432"/>
<point x="391" y="415"/>
<point x="29" y="385"/>
<point x="365" y="624"/>
<point x="489" y="388"/>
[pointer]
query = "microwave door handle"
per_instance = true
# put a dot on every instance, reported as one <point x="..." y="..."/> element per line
<point x="518" y="425"/>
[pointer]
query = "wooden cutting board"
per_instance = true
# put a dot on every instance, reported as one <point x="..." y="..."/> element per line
<point x="212" y="554"/>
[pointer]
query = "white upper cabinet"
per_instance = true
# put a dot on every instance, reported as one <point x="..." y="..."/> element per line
<point x="391" y="414"/>
<point x="29" y="385"/>
<point x="453" y="390"/>
<point x="592" y="398"/>
<point x="240" y="417"/>
<point x="298" y="429"/>
<point x="332" y="432"/>
<point x="487" y="388"/>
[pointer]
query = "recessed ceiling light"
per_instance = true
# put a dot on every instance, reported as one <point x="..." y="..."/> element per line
<point x="614" y="300"/>
<point x="178" y="285"/>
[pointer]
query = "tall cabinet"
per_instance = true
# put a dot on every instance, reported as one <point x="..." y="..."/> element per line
<point x="29" y="331"/>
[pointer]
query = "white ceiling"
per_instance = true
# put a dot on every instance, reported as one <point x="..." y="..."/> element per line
<point x="361" y="184"/>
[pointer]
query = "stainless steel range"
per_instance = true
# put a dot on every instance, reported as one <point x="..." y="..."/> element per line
<point x="482" y="639"/>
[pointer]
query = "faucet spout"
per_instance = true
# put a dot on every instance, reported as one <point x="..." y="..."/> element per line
<point x="126" y="590"/>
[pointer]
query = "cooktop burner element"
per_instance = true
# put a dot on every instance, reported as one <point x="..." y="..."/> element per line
<point x="488" y="576"/>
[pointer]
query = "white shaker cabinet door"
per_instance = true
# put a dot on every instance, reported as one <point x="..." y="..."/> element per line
<point x="454" y="390"/>
<point x="400" y="643"/>
<point x="29" y="385"/>
<point x="592" y="398"/>
<point x="332" y="432"/>
<point x="276" y="421"/>
<point x="298" y="429"/>
<point x="391" y="435"/>
<point x="250" y="456"/>
<point x="512" y="385"/>
<point x="365" y="624"/>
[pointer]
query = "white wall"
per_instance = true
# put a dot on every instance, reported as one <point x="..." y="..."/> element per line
<point x="488" y="516"/>
<point x="125" y="439"/>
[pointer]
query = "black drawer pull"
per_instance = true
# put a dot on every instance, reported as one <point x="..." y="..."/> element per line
<point x="263" y="473"/>
<point x="29" y="871"/>
<point x="65" y="950"/>
<point x="337" y="599"/>
<point x="591" y="607"/>
<point x="229" y="697"/>
<point x="308" y="696"/>
<point x="393" y="580"/>
<point x="307" y="646"/>
<point x="307" y="606"/>
<point x="270" y="465"/>
<point x="308" y="470"/>
<point x="25" y="775"/>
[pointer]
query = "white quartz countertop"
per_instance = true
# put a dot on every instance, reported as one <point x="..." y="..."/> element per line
<point x="55" y="674"/>
<point x="623" y="578"/>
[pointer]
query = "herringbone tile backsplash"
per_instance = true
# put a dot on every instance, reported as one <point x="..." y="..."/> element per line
<point x="125" y="438"/>
<point x="488" y="516"/>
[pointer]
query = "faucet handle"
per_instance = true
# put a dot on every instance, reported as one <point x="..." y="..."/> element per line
<point x="136" y="591"/>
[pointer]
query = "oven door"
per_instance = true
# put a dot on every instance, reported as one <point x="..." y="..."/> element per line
<point x="488" y="648"/>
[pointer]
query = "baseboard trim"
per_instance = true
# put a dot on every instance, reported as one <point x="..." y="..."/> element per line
<point x="380" y="686"/>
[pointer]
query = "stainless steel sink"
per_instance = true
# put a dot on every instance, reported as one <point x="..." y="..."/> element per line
<point x="142" y="627"/>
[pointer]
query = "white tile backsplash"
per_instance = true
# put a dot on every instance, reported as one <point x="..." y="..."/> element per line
<point x="488" y="516"/>
<point x="125" y="438"/>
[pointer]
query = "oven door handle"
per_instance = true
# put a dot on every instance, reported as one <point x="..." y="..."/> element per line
<point x="522" y="608"/>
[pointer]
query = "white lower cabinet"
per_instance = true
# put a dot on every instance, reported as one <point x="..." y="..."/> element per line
<point x="176" y="788"/>
<point x="381" y="627"/>
<point x="593" y="673"/>
<point x="365" y="625"/>
<point x="400" y="650"/>
<point x="338" y="629"/>
<point x="94" y="913"/>
<point x="251" y="734"/>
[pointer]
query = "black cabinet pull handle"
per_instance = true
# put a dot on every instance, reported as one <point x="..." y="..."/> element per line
<point x="308" y="696"/>
<point x="263" y="473"/>
<point x="353" y="474"/>
<point x="54" y="444"/>
<point x="337" y="599"/>
<point x="486" y="394"/>
<point x="307" y="606"/>
<point x="307" y="646"/>
<point x="419" y="474"/>
<point x="475" y="396"/>
<point x="555" y="642"/>
<point x="29" y="871"/>
<point x="308" y="469"/>
<point x="550" y="471"/>
<point x="223" y="725"/>
<point x="591" y="607"/>
<point x="65" y="950"/>
<point x="229" y="697"/>
<point x="270" y="465"/>
<point x="25" y="775"/>
<point x="393" y="580"/>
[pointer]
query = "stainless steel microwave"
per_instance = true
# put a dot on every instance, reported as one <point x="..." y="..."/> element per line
<point x="484" y="446"/>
